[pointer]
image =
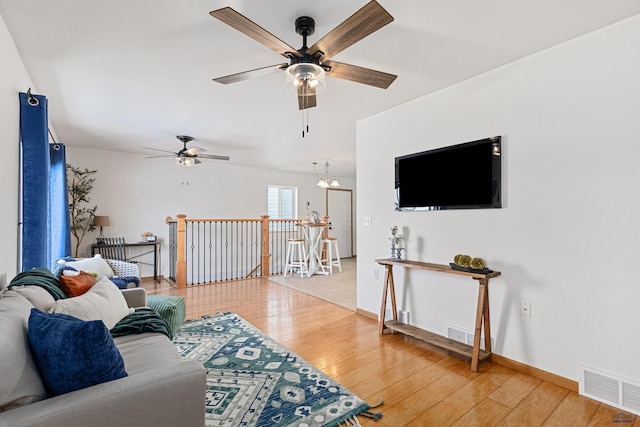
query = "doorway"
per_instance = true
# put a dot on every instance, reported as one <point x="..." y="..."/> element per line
<point x="340" y="212"/>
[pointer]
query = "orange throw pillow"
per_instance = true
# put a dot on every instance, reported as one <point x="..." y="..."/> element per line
<point x="74" y="286"/>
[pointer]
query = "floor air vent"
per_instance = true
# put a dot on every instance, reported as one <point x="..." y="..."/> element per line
<point x="610" y="389"/>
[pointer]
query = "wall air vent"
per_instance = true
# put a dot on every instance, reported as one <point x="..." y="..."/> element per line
<point x="610" y="389"/>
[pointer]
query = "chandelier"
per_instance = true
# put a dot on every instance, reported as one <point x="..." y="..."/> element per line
<point x="326" y="180"/>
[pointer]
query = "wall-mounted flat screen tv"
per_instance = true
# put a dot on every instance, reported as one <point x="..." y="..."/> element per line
<point x="462" y="176"/>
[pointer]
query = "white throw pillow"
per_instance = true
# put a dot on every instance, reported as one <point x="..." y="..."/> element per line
<point x="104" y="301"/>
<point x="96" y="264"/>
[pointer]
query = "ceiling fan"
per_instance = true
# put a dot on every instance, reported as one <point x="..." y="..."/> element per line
<point x="307" y="66"/>
<point x="187" y="156"/>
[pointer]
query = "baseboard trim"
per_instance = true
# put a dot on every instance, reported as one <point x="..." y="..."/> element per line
<point x="509" y="363"/>
<point x="535" y="372"/>
<point x="150" y="278"/>
<point x="367" y="314"/>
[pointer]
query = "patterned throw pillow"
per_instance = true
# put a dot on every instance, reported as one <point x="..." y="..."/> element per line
<point x="72" y="354"/>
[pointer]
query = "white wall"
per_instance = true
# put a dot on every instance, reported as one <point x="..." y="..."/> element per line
<point x="567" y="238"/>
<point x="138" y="194"/>
<point x="13" y="79"/>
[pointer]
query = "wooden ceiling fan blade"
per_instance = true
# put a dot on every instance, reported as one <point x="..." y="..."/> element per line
<point x="243" y="24"/>
<point x="306" y="97"/>
<point x="362" y="75"/>
<point x="213" y="156"/>
<point x="245" y="75"/>
<point x="370" y="18"/>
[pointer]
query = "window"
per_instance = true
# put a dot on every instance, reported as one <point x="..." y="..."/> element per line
<point x="282" y="202"/>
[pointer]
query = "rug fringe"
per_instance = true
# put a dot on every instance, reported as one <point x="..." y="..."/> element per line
<point x="351" y="422"/>
<point x="355" y="422"/>
<point x="375" y="416"/>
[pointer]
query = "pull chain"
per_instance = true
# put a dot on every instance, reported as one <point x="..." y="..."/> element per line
<point x="305" y="119"/>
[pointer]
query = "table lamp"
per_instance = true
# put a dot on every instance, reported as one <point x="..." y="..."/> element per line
<point x="100" y="221"/>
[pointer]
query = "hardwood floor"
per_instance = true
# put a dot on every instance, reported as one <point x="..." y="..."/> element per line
<point x="421" y="385"/>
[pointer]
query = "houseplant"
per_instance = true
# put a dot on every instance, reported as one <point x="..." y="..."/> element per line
<point x="79" y="186"/>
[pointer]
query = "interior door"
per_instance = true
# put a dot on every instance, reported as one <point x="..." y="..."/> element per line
<point x="340" y="213"/>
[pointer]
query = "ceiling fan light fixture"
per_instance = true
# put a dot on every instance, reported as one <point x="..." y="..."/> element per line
<point x="305" y="74"/>
<point x="185" y="161"/>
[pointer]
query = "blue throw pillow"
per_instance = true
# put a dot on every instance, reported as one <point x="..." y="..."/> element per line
<point x="71" y="353"/>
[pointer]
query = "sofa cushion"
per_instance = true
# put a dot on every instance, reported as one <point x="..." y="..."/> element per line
<point x="72" y="354"/>
<point x="97" y="264"/>
<point x="146" y="352"/>
<point x="74" y="286"/>
<point x="20" y="383"/>
<point x="39" y="297"/>
<point x="103" y="301"/>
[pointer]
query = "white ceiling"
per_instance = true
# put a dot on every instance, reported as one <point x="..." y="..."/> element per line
<point x="126" y="74"/>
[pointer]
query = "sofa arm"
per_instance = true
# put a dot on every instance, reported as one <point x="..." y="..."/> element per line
<point x="173" y="395"/>
<point x="123" y="268"/>
<point x="135" y="297"/>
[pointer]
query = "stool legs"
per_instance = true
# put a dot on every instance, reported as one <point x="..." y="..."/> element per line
<point x="330" y="261"/>
<point x="296" y="257"/>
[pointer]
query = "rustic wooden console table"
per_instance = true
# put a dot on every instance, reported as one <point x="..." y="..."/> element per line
<point x="482" y="312"/>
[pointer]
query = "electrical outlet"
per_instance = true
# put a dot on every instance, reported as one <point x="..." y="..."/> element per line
<point x="376" y="274"/>
<point x="366" y="221"/>
<point x="525" y="309"/>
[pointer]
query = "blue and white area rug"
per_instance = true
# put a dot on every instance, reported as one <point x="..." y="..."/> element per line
<point x="252" y="380"/>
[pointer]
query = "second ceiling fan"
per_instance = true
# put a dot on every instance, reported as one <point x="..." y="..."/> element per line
<point x="308" y="65"/>
<point x="187" y="156"/>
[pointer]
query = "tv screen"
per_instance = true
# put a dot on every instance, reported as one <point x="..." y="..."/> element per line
<point x="463" y="176"/>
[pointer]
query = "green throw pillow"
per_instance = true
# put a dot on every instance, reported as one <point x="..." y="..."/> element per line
<point x="72" y="354"/>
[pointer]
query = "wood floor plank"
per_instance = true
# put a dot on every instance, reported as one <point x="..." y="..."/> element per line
<point x="536" y="407"/>
<point x="578" y="409"/>
<point x="515" y="389"/>
<point x="485" y="413"/>
<point x="407" y="400"/>
<point x="608" y="415"/>
<point x="463" y="400"/>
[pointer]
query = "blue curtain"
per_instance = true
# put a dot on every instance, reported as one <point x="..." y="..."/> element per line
<point x="35" y="181"/>
<point x="45" y="217"/>
<point x="59" y="203"/>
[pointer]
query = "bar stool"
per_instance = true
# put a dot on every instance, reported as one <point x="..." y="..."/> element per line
<point x="296" y="257"/>
<point x="331" y="245"/>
